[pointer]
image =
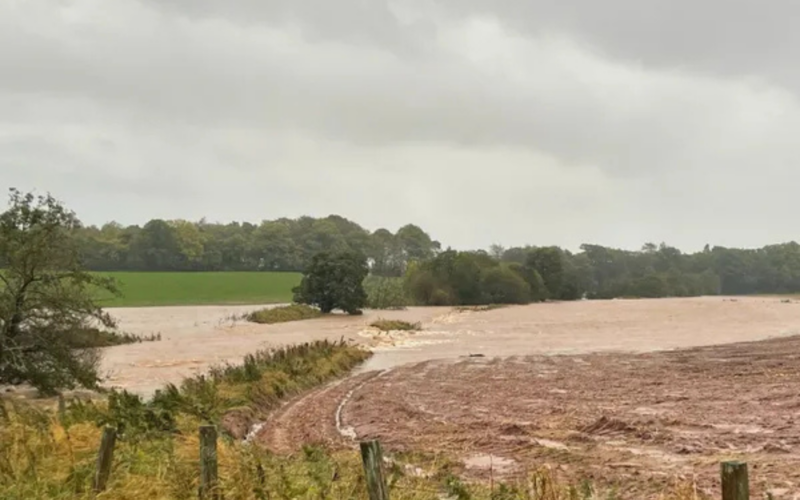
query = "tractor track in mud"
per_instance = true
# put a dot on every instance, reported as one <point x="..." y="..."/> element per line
<point x="639" y="422"/>
<point x="312" y="418"/>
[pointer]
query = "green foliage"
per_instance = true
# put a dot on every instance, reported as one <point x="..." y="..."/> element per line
<point x="289" y="244"/>
<point x="537" y="290"/>
<point x="94" y="337"/>
<point x="415" y="244"/>
<point x="284" y="314"/>
<point x="133" y="418"/>
<point x="549" y="263"/>
<point x="258" y="384"/>
<point x="650" y="286"/>
<point x="466" y="278"/>
<point x="46" y="298"/>
<point x="334" y="281"/>
<point x="277" y="245"/>
<point x="388" y="325"/>
<point x="385" y="292"/>
<point x="501" y="285"/>
<point x="43" y="457"/>
<point x="182" y="288"/>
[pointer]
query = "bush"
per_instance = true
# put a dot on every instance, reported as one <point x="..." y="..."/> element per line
<point x="385" y="293"/>
<point x="650" y="286"/>
<point x="284" y="314"/>
<point x="388" y="325"/>
<point x="334" y="281"/>
<point x="503" y="286"/>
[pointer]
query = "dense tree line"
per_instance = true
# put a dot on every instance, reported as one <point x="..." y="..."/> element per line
<point x="662" y="270"/>
<point x="440" y="276"/>
<point x="529" y="274"/>
<point x="278" y="245"/>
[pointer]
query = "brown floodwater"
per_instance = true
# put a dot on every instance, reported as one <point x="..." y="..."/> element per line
<point x="195" y="338"/>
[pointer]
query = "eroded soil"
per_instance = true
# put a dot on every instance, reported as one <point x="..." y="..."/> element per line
<point x="638" y="422"/>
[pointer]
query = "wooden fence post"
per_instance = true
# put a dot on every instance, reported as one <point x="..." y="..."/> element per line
<point x="208" y="463"/>
<point x="735" y="484"/>
<point x="62" y="407"/>
<point x="105" y="458"/>
<point x="372" y="457"/>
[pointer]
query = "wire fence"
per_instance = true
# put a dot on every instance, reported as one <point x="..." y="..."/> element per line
<point x="734" y="474"/>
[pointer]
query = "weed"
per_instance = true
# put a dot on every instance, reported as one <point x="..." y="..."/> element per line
<point x="388" y="325"/>
<point x="294" y="312"/>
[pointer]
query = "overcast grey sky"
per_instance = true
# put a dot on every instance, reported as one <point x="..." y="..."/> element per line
<point x="509" y="121"/>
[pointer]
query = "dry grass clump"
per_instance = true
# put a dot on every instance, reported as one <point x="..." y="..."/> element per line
<point x="284" y="314"/>
<point x="388" y="325"/>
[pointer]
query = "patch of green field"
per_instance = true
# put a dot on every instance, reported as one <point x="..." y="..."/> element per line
<point x="164" y="289"/>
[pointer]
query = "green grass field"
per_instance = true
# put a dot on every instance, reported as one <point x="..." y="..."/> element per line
<point x="164" y="289"/>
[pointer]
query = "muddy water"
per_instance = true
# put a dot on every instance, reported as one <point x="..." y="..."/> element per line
<point x="195" y="338"/>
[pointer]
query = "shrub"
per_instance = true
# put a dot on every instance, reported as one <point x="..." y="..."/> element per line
<point x="503" y="286"/>
<point x="284" y="314"/>
<point x="388" y="325"/>
<point x="385" y="293"/>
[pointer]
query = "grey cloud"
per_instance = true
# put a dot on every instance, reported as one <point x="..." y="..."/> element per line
<point x="587" y="122"/>
<point x="368" y="97"/>
<point x="348" y="21"/>
<point x="734" y="37"/>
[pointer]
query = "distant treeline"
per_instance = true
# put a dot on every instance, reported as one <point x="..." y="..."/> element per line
<point x="278" y="245"/>
<point x="444" y="276"/>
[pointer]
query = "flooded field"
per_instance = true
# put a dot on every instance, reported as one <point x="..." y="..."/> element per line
<point x="628" y="393"/>
<point x="196" y="337"/>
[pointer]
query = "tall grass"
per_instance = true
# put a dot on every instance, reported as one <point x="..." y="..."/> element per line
<point x="41" y="458"/>
<point x="44" y="455"/>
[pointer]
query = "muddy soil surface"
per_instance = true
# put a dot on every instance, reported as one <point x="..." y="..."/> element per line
<point x="635" y="421"/>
